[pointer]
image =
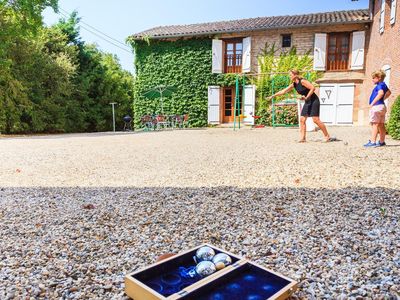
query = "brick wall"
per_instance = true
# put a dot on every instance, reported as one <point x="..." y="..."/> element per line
<point x="383" y="50"/>
<point x="303" y="40"/>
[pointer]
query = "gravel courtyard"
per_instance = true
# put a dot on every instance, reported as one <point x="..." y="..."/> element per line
<point x="78" y="212"/>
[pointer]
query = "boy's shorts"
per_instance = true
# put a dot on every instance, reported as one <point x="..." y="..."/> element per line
<point x="377" y="114"/>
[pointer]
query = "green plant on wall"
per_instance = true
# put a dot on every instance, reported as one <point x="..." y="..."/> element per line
<point x="184" y="64"/>
<point x="394" y="120"/>
<point x="274" y="69"/>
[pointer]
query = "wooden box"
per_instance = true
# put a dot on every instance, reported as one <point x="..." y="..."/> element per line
<point x="241" y="280"/>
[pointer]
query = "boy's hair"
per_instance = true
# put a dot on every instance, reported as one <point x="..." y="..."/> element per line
<point x="295" y="72"/>
<point x="379" y="74"/>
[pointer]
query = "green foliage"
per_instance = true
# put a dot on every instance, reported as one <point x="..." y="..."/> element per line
<point x="187" y="64"/>
<point x="51" y="81"/>
<point x="29" y="12"/>
<point x="274" y="76"/>
<point x="394" y="121"/>
<point x="184" y="64"/>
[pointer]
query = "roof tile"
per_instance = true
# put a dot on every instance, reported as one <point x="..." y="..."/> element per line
<point x="336" y="17"/>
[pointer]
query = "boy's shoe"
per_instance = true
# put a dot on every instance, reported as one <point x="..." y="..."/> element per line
<point x="379" y="144"/>
<point x="370" y="144"/>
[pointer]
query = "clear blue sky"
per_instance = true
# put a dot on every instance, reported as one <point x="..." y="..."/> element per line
<point x="121" y="18"/>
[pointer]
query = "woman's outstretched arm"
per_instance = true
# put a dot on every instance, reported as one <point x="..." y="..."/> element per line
<point x="282" y="92"/>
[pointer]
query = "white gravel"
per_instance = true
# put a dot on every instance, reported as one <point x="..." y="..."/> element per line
<point x="198" y="158"/>
<point x="78" y="212"/>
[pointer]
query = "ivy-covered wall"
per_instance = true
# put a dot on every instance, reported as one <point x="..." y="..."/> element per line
<point x="185" y="64"/>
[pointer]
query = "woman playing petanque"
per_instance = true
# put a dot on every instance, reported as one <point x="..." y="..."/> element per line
<point x="311" y="106"/>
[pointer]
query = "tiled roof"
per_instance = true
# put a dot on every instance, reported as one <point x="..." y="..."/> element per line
<point x="327" y="18"/>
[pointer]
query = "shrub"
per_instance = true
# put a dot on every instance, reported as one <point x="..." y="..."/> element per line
<point x="394" y="120"/>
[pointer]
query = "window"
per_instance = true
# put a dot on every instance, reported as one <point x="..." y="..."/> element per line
<point x="233" y="56"/>
<point x="338" y="51"/>
<point x="286" y="40"/>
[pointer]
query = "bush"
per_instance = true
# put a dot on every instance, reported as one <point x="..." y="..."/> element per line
<point x="394" y="121"/>
<point x="274" y="76"/>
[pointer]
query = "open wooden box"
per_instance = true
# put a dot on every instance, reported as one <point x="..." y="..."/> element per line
<point x="240" y="280"/>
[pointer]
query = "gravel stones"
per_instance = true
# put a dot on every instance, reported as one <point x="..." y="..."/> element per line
<point x="307" y="234"/>
<point x="85" y="210"/>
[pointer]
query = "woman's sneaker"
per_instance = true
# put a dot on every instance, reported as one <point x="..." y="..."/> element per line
<point x="379" y="144"/>
<point x="370" y="144"/>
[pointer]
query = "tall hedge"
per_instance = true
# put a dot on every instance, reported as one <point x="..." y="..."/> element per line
<point x="185" y="64"/>
<point x="394" y="120"/>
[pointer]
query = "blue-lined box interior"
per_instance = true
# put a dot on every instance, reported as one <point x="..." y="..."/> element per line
<point x="247" y="282"/>
<point x="166" y="278"/>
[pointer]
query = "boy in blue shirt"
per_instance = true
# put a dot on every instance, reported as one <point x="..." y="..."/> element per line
<point x="377" y="109"/>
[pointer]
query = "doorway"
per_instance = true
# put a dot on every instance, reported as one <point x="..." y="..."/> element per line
<point x="229" y="95"/>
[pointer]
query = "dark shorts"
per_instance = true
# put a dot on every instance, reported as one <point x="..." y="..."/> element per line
<point x="311" y="108"/>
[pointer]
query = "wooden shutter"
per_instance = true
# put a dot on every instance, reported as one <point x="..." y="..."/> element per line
<point x="387" y="70"/>
<point x="320" y="52"/>
<point x="393" y="12"/>
<point x="249" y="96"/>
<point x="217" y="56"/>
<point x="357" y="50"/>
<point x="382" y="19"/>
<point x="246" y="65"/>
<point x="213" y="104"/>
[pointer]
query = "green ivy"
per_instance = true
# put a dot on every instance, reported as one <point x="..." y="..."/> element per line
<point x="394" y="120"/>
<point x="184" y="64"/>
<point x="187" y="65"/>
<point x="274" y="76"/>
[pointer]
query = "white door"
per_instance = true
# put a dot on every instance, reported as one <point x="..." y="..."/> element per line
<point x="337" y="103"/>
<point x="344" y="104"/>
<point x="249" y="96"/>
<point x="327" y="97"/>
<point x="213" y="104"/>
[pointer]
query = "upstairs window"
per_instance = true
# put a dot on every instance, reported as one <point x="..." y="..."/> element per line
<point x="338" y="51"/>
<point x="233" y="56"/>
<point x="286" y="40"/>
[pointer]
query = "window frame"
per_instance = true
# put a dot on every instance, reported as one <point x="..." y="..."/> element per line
<point x="235" y="68"/>
<point x="337" y="52"/>
<point x="283" y="40"/>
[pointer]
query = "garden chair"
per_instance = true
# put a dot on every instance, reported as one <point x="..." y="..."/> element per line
<point x="185" y="121"/>
<point x="178" y="121"/>
<point x="162" y="121"/>
<point x="147" y="122"/>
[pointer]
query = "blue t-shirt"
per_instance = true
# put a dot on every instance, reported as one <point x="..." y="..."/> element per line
<point x="380" y="86"/>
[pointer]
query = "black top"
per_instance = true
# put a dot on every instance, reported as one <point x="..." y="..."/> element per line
<point x="302" y="90"/>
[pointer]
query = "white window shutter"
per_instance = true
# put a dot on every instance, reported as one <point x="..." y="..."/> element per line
<point x="382" y="19"/>
<point x="217" y="56"/>
<point x="213" y="104"/>
<point x="249" y="92"/>
<point x="393" y="12"/>
<point x="387" y="70"/>
<point x="246" y="61"/>
<point x="357" y="50"/>
<point x="320" y="52"/>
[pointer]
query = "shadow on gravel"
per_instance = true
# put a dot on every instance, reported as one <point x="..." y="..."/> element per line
<point x="80" y="242"/>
